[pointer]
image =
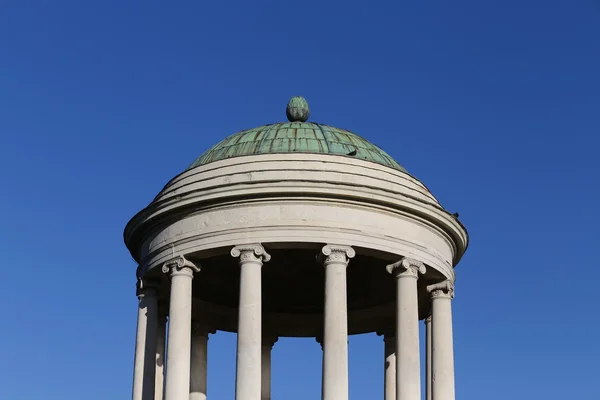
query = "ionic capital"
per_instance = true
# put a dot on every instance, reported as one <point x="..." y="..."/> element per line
<point x="250" y="253"/>
<point x="406" y="267"/>
<point x="444" y="289"/>
<point x="336" y="254"/>
<point x="180" y="266"/>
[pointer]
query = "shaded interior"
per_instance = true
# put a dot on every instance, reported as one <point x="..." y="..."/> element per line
<point x="293" y="282"/>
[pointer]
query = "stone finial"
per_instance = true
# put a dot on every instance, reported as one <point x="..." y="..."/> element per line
<point x="297" y="109"/>
<point x="406" y="267"/>
<point x="442" y="289"/>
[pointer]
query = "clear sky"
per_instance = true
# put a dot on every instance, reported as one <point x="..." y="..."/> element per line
<point x="494" y="105"/>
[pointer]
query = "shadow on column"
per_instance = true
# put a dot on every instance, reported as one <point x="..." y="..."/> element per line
<point x="150" y="349"/>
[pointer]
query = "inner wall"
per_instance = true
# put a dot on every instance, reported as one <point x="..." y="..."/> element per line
<point x="293" y="282"/>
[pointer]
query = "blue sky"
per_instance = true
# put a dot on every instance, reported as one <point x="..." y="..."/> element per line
<point x="494" y="105"/>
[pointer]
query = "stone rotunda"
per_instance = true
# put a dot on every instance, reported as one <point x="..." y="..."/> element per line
<point x="293" y="229"/>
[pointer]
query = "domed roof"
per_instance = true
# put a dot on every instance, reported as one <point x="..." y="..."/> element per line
<point x="297" y="136"/>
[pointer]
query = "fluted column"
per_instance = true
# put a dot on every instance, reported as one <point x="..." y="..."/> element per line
<point x="249" y="349"/>
<point x="428" y="375"/>
<point x="159" y="385"/>
<point x="177" y="382"/>
<point x="442" y="341"/>
<point x="267" y="346"/>
<point x="145" y="344"/>
<point x="408" y="370"/>
<point x="389" y="377"/>
<point x="199" y="361"/>
<point x="335" y="325"/>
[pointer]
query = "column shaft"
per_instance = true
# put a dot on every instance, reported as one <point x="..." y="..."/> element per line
<point x="249" y="349"/>
<point x="177" y="382"/>
<point x="389" y="380"/>
<point x="267" y="346"/>
<point x="442" y="341"/>
<point x="428" y="375"/>
<point x="199" y="370"/>
<point x="335" y="324"/>
<point x="144" y="367"/>
<point x="408" y="368"/>
<point x="140" y="344"/>
<point x="159" y="385"/>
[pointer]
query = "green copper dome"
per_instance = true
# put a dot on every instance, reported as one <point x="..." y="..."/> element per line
<point x="297" y="136"/>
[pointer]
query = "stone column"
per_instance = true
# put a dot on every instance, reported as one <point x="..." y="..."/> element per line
<point x="159" y="385"/>
<point x="389" y="377"/>
<point x="199" y="370"/>
<point x="249" y="351"/>
<point x="177" y="382"/>
<point x="335" y="325"/>
<point x="428" y="375"/>
<point x="267" y="346"/>
<point x="441" y="340"/>
<point x="408" y="367"/>
<point x="145" y="343"/>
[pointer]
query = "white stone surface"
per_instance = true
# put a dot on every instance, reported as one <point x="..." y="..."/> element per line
<point x="144" y="367"/>
<point x="249" y="348"/>
<point x="199" y="361"/>
<point x="316" y="198"/>
<point x="289" y="200"/>
<point x="408" y="367"/>
<point x="159" y="387"/>
<point x="140" y="346"/>
<point x="389" y="379"/>
<point x="335" y="259"/>
<point x="442" y="341"/>
<point x="177" y="382"/>
<point x="428" y="360"/>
